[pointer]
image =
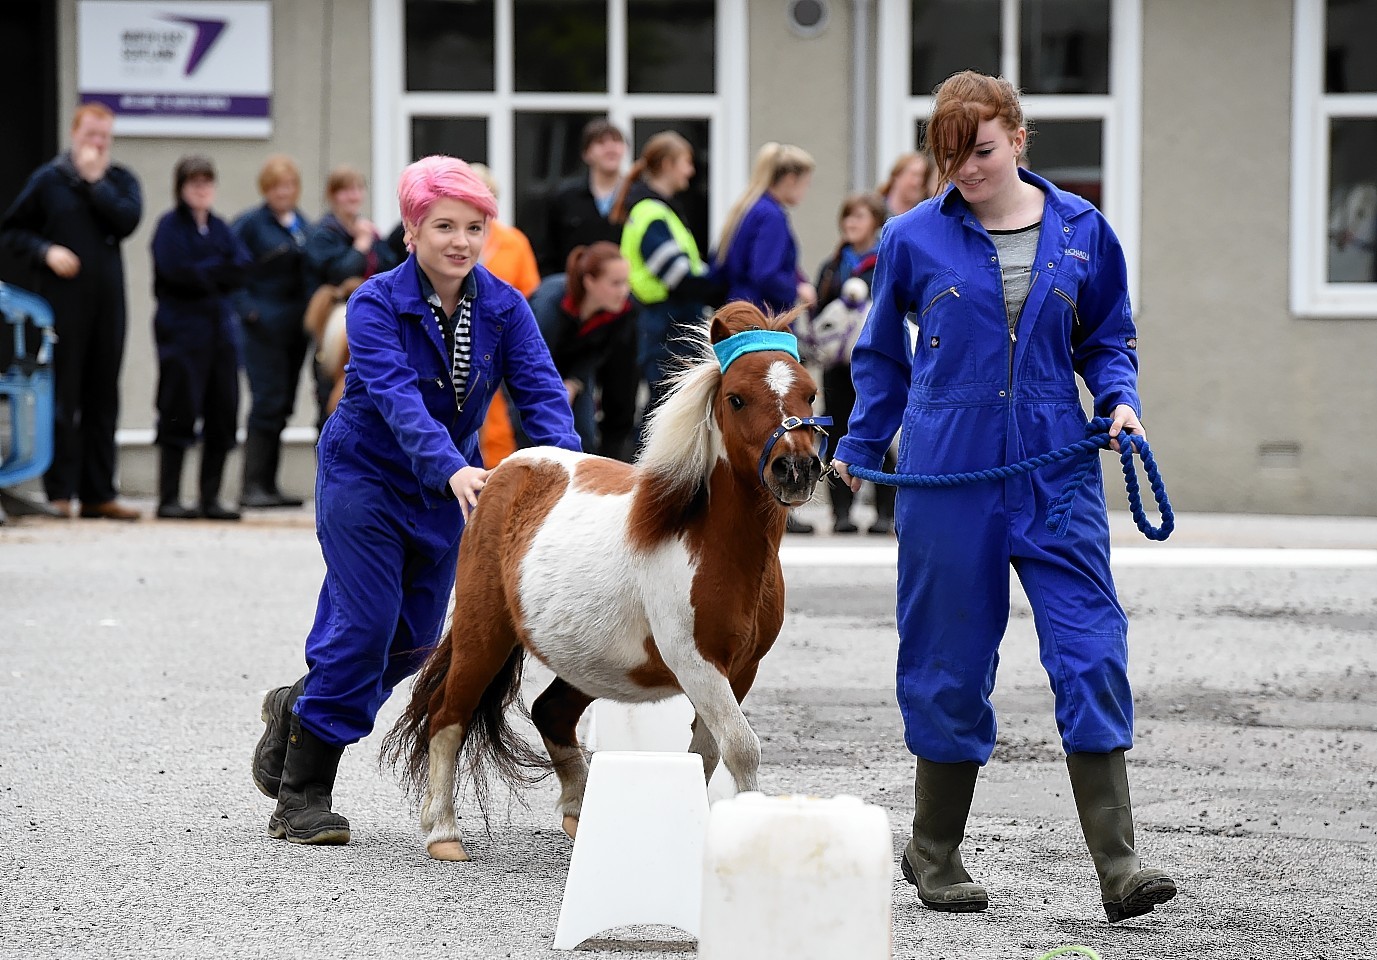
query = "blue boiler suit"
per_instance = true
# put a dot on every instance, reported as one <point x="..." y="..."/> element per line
<point x="388" y="523"/>
<point x="194" y="278"/>
<point x="937" y="357"/>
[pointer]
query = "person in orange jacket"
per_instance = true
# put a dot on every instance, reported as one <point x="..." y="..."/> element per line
<point x="509" y="256"/>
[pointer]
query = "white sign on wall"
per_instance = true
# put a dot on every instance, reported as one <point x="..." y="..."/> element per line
<point x="183" y="68"/>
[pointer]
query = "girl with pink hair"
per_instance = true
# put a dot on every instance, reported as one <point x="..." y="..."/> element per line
<point x="399" y="471"/>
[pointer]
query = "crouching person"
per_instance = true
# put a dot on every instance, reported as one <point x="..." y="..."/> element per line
<point x="398" y="475"/>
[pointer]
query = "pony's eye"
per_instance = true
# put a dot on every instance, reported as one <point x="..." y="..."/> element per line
<point x="812" y="398"/>
<point x="736" y="402"/>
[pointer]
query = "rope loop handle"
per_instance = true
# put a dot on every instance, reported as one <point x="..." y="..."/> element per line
<point x="1061" y="951"/>
<point x="1059" y="510"/>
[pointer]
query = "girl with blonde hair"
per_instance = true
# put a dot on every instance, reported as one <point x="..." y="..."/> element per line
<point x="758" y="252"/>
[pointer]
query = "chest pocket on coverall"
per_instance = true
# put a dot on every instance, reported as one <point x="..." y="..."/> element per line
<point x="944" y="353"/>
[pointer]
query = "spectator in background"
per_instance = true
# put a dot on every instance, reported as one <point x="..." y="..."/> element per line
<point x="507" y="252"/>
<point x="862" y="215"/>
<point x="508" y="256"/>
<point x="671" y="282"/>
<point x="271" y="306"/>
<point x="68" y="223"/>
<point x="197" y="264"/>
<point x="758" y="253"/>
<point x="580" y="209"/>
<point x="757" y="257"/>
<point x="579" y="216"/>
<point x="911" y="180"/>
<point x="585" y="316"/>
<point x="344" y="245"/>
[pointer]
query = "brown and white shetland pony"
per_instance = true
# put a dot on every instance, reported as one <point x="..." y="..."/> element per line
<point x="630" y="582"/>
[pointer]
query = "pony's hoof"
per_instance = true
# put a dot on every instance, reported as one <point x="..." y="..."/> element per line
<point x="571" y="825"/>
<point x="449" y="850"/>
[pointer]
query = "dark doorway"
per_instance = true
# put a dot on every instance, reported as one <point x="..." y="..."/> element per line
<point x="28" y="124"/>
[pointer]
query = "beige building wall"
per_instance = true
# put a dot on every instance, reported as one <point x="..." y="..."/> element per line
<point x="1232" y="382"/>
<point x="800" y="92"/>
<point x="322" y="109"/>
<point x="1249" y="407"/>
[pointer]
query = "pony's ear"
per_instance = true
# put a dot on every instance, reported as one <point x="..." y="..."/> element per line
<point x="718" y="331"/>
<point x="734" y="318"/>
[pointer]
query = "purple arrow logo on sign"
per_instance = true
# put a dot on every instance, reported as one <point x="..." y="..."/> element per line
<point x="207" y="32"/>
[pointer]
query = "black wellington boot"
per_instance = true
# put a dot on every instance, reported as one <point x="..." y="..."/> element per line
<point x="212" y="473"/>
<point x="257" y="456"/>
<point x="262" y="453"/>
<point x="271" y="751"/>
<point x="274" y="464"/>
<point x="932" y="860"/>
<point x="1099" y="782"/>
<point x="170" y="484"/>
<point x="842" y="498"/>
<point x="303" y="813"/>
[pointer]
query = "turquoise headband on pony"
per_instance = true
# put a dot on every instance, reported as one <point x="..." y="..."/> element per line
<point x="749" y="341"/>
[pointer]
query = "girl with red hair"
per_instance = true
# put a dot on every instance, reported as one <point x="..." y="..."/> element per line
<point x="988" y="303"/>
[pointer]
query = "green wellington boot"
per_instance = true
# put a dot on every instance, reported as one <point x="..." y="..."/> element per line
<point x="303" y="813"/>
<point x="932" y="860"/>
<point x="1100" y="784"/>
<point x="271" y="750"/>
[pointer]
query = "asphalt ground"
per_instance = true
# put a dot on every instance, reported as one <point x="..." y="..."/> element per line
<point x="135" y="657"/>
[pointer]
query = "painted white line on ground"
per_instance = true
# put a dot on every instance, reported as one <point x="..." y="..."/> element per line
<point x="887" y="556"/>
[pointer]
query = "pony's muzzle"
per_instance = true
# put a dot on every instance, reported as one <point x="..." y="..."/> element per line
<point x="795" y="476"/>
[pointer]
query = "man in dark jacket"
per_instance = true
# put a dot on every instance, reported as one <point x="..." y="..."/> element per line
<point x="578" y="217"/>
<point x="579" y="209"/>
<point x="68" y="223"/>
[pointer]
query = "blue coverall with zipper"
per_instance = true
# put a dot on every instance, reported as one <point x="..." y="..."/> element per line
<point x="388" y="523"/>
<point x="939" y="359"/>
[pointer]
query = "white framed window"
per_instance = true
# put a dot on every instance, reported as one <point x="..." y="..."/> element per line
<point x="510" y="83"/>
<point x="1333" y="170"/>
<point x="1078" y="64"/>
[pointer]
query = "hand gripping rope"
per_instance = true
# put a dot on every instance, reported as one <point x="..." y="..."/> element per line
<point x="1059" y="510"/>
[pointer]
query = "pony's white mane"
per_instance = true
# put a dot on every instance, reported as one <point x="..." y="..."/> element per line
<point x="683" y="441"/>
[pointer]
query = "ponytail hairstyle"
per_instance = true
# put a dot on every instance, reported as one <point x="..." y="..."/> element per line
<point x="585" y="262"/>
<point x="773" y="163"/>
<point x="659" y="150"/>
<point x="960" y="103"/>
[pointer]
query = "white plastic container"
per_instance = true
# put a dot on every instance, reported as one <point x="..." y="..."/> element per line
<point x="665" y="725"/>
<point x="796" y="878"/>
<point x="639" y="853"/>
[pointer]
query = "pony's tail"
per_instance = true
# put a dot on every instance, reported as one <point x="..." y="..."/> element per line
<point x="407" y="744"/>
<point x="490" y="745"/>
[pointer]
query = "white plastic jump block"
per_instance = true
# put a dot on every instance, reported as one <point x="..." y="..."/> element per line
<point x="665" y="725"/>
<point x="800" y="878"/>
<point x="638" y="857"/>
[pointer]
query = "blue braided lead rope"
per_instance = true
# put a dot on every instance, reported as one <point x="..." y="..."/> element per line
<point x="1059" y="510"/>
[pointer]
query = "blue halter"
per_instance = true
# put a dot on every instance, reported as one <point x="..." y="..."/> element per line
<point x="795" y="423"/>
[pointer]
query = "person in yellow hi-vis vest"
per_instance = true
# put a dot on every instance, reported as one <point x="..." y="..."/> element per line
<point x="670" y="280"/>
